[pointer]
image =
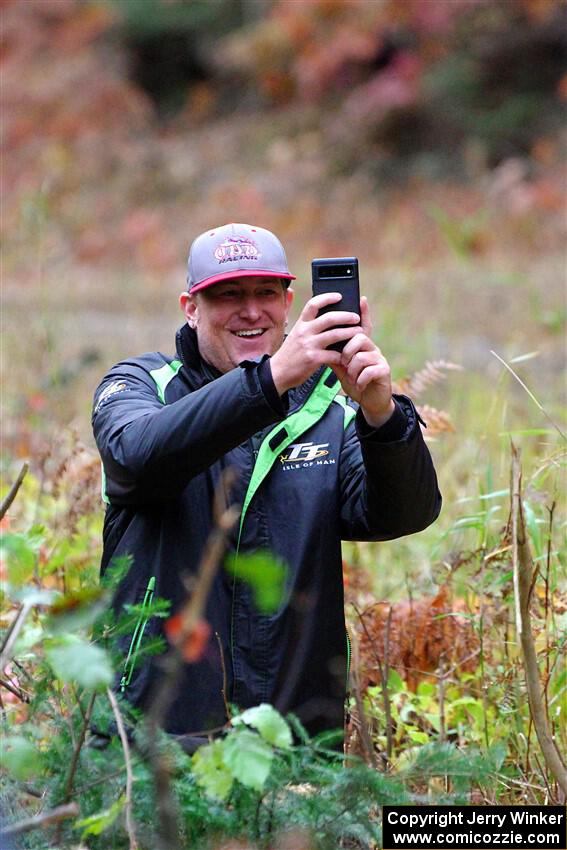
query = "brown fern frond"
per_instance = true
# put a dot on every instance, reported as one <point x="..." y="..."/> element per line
<point x="437" y="421"/>
<point x="433" y="372"/>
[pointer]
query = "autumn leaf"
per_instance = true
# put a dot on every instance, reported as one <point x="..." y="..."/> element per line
<point x="191" y="644"/>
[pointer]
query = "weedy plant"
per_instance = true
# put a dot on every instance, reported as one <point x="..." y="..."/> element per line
<point x="445" y="726"/>
<point x="478" y="660"/>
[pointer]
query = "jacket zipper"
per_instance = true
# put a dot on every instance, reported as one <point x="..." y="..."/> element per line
<point x="137" y="636"/>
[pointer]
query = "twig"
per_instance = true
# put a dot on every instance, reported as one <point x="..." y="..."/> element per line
<point x="531" y="395"/>
<point x="368" y="749"/>
<point x="384" y="672"/>
<point x="441" y="692"/>
<point x="523" y="571"/>
<point x="523" y="783"/>
<point x="172" y="663"/>
<point x="78" y="701"/>
<point x="7" y="501"/>
<point x="18" y="692"/>
<point x="546" y="621"/>
<point x="385" y="691"/>
<point x="70" y="810"/>
<point x="129" y="776"/>
<point x="75" y="760"/>
<point x="13" y="633"/>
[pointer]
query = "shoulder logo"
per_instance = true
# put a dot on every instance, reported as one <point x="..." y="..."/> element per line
<point x="110" y="390"/>
<point x="236" y="248"/>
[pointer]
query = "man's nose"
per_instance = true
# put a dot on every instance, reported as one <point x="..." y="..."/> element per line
<point x="250" y="309"/>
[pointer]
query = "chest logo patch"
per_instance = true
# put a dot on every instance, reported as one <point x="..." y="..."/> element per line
<point x="306" y="454"/>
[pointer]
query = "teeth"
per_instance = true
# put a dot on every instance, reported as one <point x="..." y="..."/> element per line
<point x="256" y="332"/>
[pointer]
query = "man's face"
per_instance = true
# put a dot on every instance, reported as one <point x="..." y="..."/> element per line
<point x="238" y="319"/>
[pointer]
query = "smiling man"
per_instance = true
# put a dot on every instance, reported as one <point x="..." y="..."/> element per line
<point x="315" y="467"/>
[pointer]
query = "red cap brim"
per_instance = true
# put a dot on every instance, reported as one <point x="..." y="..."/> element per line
<point x="217" y="278"/>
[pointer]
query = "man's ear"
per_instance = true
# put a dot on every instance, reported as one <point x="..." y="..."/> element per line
<point x="289" y="294"/>
<point x="188" y="304"/>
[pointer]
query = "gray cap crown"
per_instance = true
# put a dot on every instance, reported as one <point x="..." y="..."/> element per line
<point x="233" y="251"/>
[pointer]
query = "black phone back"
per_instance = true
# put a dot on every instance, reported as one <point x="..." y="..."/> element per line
<point x="337" y="274"/>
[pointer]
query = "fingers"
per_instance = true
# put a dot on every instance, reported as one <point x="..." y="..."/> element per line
<point x="363" y="362"/>
<point x="365" y="319"/>
<point x="314" y="304"/>
<point x="379" y="373"/>
<point x="358" y="342"/>
<point x="360" y="361"/>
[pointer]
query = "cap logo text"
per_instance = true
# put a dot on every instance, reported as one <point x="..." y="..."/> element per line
<point x="236" y="248"/>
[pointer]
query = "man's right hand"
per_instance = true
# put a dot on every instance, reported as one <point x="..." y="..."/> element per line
<point x="305" y="347"/>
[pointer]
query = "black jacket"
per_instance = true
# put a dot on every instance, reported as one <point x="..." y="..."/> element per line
<point x="166" y="428"/>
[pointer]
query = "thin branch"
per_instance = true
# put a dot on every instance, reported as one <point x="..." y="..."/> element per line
<point x="13" y="633"/>
<point x="75" y="761"/>
<point x="384" y="673"/>
<point x="70" y="810"/>
<point x="18" y="692"/>
<point x="531" y="395"/>
<point x="523" y="572"/>
<point x="441" y="692"/>
<point x="172" y="663"/>
<point x="7" y="501"/>
<point x="78" y="701"/>
<point x="368" y="748"/>
<point x="385" y="691"/>
<point x="129" y="776"/>
<point x="77" y="751"/>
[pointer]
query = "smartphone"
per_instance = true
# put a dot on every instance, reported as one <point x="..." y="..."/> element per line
<point x="337" y="274"/>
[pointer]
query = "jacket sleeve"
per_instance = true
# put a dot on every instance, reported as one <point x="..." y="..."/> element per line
<point x="388" y="488"/>
<point x="151" y="450"/>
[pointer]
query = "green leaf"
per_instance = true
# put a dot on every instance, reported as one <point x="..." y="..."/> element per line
<point x="395" y="682"/>
<point x="496" y="754"/>
<point x="30" y="635"/>
<point x="20" y="552"/>
<point x="265" y="574"/>
<point x="19" y="757"/>
<point x="210" y="770"/>
<point x="269" y="723"/>
<point x="426" y="689"/>
<point x="416" y="736"/>
<point x="73" y="659"/>
<point x="248" y="757"/>
<point x="96" y="824"/>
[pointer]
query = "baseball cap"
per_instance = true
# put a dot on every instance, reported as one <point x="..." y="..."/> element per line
<point x="232" y="251"/>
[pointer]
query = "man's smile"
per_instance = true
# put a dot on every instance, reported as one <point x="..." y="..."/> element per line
<point x="249" y="333"/>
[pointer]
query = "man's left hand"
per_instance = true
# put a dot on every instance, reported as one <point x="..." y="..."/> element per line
<point x="364" y="373"/>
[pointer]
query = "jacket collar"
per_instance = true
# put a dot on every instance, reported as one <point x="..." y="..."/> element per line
<point x="196" y="369"/>
<point x="200" y="372"/>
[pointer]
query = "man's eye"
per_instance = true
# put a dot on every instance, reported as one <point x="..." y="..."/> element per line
<point x="228" y="293"/>
<point x="267" y="292"/>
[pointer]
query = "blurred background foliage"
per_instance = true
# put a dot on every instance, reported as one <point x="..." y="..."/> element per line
<point x="419" y="135"/>
<point x="425" y="137"/>
<point x="428" y="138"/>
